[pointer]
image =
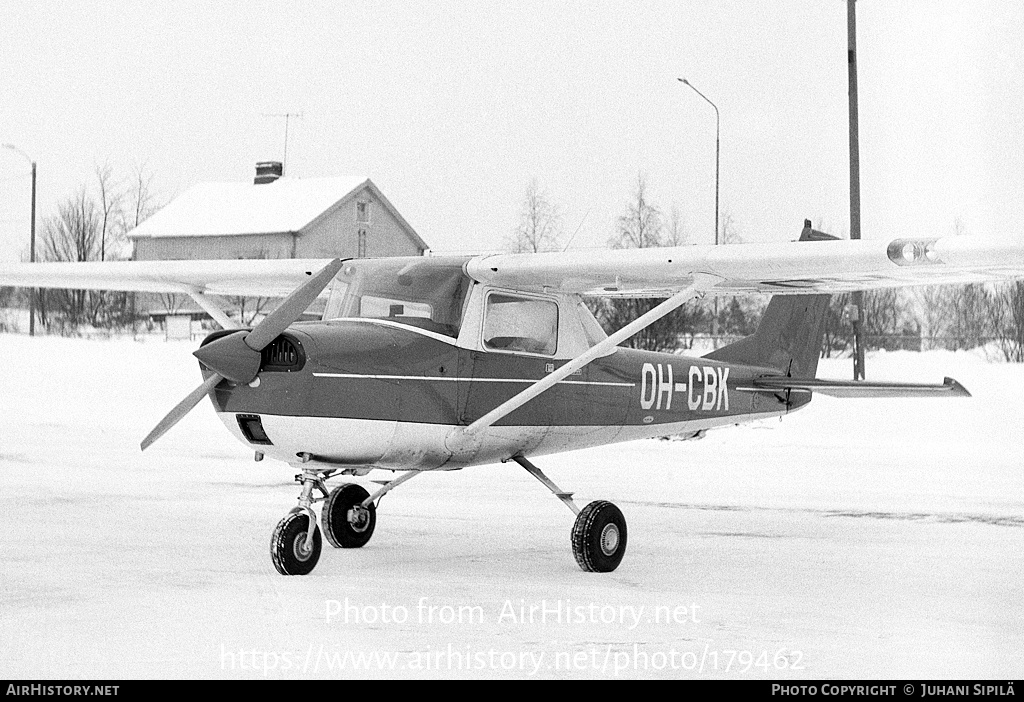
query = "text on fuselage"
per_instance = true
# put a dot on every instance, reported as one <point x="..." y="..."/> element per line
<point x="706" y="387"/>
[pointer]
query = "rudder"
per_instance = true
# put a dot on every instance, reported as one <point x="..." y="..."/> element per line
<point x="790" y="333"/>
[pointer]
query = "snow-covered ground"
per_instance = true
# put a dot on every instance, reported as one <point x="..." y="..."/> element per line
<point x="856" y="538"/>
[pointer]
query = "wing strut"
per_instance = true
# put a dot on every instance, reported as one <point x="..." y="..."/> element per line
<point x="211" y="309"/>
<point x="699" y="286"/>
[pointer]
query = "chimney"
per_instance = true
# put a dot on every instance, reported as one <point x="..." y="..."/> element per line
<point x="268" y="172"/>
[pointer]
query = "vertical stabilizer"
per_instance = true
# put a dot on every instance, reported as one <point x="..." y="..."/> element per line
<point x="790" y="333"/>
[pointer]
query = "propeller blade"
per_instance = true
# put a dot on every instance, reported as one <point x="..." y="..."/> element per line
<point x="181" y="409"/>
<point x="292" y="307"/>
<point x="231" y="352"/>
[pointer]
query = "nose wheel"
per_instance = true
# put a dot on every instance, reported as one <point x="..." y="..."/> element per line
<point x="349" y="516"/>
<point x="291" y="549"/>
<point x="296" y="542"/>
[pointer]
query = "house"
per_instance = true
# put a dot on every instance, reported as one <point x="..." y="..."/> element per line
<point x="272" y="217"/>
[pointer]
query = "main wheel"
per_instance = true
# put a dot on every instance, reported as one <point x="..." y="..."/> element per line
<point x="288" y="545"/>
<point x="599" y="537"/>
<point x="348" y="524"/>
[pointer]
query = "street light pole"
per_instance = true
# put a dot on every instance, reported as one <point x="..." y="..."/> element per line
<point x="32" y="241"/>
<point x="718" y="133"/>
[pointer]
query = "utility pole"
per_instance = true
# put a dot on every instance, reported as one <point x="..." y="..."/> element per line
<point x="32" y="258"/>
<point x="287" y="118"/>
<point x="32" y="241"/>
<point x="857" y="311"/>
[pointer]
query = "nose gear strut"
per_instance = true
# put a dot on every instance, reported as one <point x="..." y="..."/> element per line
<point x="349" y="516"/>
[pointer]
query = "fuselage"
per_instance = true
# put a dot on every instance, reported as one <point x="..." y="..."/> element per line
<point x="365" y="393"/>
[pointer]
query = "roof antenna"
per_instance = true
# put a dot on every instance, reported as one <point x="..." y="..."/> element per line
<point x="580" y="226"/>
<point x="287" y="117"/>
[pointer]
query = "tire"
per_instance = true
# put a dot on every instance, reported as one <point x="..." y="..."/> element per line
<point x="599" y="537"/>
<point x="287" y="545"/>
<point x="341" y="531"/>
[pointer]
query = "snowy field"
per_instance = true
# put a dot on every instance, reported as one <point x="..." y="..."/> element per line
<point x="856" y="538"/>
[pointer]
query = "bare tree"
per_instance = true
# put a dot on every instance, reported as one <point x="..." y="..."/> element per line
<point x="959" y="228"/>
<point x="969" y="317"/>
<point x="72" y="235"/>
<point x="740" y="314"/>
<point x="250" y="307"/>
<point x="540" y="223"/>
<point x="91" y="225"/>
<point x="109" y="203"/>
<point x="1007" y="320"/>
<point x="888" y="322"/>
<point x="641" y="227"/>
<point x="966" y="309"/>
<point x="933" y="314"/>
<point x="838" y="334"/>
<point x="142" y="202"/>
<point x="172" y="302"/>
<point x="730" y="232"/>
<point x="937" y="307"/>
<point x="675" y="231"/>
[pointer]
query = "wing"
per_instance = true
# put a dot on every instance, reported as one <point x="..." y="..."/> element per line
<point x="791" y="267"/>
<point x="257" y="278"/>
<point x="778" y="268"/>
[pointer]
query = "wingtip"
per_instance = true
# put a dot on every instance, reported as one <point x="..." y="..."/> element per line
<point x="955" y="387"/>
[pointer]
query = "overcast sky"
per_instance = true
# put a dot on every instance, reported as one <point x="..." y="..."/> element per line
<point x="453" y="107"/>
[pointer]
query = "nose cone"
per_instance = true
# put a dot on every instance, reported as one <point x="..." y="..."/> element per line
<point x="231" y="357"/>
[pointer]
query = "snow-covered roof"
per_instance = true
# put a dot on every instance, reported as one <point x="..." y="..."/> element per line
<point x="228" y="209"/>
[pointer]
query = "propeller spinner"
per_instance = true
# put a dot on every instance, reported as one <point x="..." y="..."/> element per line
<point x="237" y="357"/>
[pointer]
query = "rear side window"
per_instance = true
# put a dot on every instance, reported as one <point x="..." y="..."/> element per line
<point x="520" y="324"/>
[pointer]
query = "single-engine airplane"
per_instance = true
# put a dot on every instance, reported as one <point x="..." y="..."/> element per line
<point x="446" y="362"/>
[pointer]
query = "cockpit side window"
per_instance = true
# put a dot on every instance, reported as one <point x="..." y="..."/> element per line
<point x="523" y="324"/>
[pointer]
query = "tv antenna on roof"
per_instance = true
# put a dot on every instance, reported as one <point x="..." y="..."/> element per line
<point x="287" y="118"/>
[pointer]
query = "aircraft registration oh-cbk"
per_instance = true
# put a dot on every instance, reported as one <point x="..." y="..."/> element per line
<point x="446" y="362"/>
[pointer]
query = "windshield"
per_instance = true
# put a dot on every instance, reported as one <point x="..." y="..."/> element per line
<point x="428" y="293"/>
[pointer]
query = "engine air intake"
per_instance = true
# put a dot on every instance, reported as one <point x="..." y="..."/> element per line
<point x="283" y="354"/>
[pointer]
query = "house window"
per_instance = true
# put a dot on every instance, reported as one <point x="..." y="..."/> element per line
<point x="515" y="323"/>
<point x="361" y="244"/>
<point x="363" y="212"/>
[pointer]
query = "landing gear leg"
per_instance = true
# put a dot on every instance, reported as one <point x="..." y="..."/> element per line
<point x="295" y="544"/>
<point x="599" y="533"/>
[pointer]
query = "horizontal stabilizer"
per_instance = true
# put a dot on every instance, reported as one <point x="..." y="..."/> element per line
<point x="857" y="388"/>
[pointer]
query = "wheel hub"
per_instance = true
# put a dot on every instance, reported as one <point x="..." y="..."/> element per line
<point x="299" y="547"/>
<point x="609" y="539"/>
<point x="359" y="518"/>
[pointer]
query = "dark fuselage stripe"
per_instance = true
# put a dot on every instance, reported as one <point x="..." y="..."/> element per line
<point x="466" y="380"/>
